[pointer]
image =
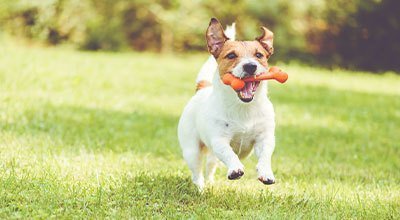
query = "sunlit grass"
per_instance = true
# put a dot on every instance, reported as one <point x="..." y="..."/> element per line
<point x="94" y="135"/>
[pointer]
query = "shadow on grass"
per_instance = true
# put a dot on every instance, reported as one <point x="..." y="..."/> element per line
<point x="362" y="129"/>
<point x="172" y="195"/>
<point x="98" y="129"/>
<point x="169" y="195"/>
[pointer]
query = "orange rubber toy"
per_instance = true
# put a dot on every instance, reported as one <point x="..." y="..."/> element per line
<point x="238" y="84"/>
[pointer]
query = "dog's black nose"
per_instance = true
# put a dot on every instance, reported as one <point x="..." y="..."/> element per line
<point x="250" y="68"/>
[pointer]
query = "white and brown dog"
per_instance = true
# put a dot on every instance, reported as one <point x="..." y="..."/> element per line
<point x="223" y="124"/>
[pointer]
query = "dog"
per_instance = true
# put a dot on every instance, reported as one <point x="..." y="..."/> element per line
<point x="225" y="125"/>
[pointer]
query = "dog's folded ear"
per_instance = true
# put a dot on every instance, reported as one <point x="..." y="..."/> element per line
<point x="266" y="40"/>
<point x="215" y="37"/>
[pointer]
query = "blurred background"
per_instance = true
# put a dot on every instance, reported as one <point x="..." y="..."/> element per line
<point x="357" y="34"/>
<point x="91" y="92"/>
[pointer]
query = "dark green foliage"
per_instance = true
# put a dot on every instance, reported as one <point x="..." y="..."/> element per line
<point x="354" y="34"/>
<point x="362" y="35"/>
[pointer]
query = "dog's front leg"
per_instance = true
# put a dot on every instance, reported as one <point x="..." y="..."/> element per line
<point x="224" y="152"/>
<point x="263" y="150"/>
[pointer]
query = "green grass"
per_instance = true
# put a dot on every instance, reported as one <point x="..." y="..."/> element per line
<point x="94" y="135"/>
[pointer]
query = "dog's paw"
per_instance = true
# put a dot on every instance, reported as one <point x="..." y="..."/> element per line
<point x="267" y="180"/>
<point x="265" y="174"/>
<point x="210" y="180"/>
<point x="199" y="182"/>
<point x="200" y="186"/>
<point x="235" y="174"/>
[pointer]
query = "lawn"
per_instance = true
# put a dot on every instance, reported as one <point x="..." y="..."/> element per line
<point x="93" y="135"/>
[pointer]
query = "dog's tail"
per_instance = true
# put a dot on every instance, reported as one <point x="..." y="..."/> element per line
<point x="206" y="73"/>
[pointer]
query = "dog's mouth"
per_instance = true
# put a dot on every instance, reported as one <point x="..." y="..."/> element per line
<point x="247" y="93"/>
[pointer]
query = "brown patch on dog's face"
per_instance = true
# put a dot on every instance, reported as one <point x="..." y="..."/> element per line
<point x="233" y="51"/>
<point x="241" y="58"/>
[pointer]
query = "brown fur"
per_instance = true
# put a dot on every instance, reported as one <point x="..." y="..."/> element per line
<point x="241" y="49"/>
<point x="202" y="84"/>
<point x="220" y="46"/>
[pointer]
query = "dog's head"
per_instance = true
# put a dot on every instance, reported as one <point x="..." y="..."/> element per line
<point x="241" y="58"/>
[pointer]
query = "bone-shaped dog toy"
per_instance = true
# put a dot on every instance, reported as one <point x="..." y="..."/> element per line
<point x="238" y="84"/>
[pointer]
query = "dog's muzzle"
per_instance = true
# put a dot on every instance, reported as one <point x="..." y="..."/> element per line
<point x="247" y="93"/>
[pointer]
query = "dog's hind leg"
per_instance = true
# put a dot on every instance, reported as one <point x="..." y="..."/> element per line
<point x="211" y="166"/>
<point x="194" y="158"/>
<point x="191" y="145"/>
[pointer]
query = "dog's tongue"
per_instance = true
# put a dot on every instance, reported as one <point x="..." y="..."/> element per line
<point x="247" y="91"/>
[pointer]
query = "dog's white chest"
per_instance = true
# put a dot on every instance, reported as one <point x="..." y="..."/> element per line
<point x="244" y="137"/>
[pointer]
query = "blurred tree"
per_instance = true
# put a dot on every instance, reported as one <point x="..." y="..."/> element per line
<point x="359" y="33"/>
<point x="52" y="21"/>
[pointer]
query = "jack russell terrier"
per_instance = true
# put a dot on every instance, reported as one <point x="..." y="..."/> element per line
<point x="220" y="123"/>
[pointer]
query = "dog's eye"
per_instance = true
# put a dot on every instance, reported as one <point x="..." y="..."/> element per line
<point x="231" y="55"/>
<point x="259" y="55"/>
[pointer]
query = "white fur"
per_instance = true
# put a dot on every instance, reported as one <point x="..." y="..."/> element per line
<point x="228" y="128"/>
<point x="230" y="31"/>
